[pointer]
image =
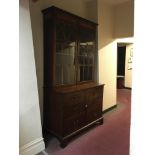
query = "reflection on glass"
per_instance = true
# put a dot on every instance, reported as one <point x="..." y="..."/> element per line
<point x="65" y="71"/>
<point x="86" y="55"/>
<point x="74" y="63"/>
<point x="65" y="54"/>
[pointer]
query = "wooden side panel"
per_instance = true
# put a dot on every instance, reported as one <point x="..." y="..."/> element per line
<point x="52" y="111"/>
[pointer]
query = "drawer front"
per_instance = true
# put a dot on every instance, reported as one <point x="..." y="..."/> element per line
<point x="73" y="99"/>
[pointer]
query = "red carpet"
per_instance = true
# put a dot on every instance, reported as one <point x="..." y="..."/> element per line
<point x="111" y="138"/>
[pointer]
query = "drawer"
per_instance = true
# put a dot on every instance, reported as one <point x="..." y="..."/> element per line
<point x="73" y="99"/>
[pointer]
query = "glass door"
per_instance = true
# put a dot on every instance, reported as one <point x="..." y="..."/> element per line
<point x="86" y="54"/>
<point x="65" y="53"/>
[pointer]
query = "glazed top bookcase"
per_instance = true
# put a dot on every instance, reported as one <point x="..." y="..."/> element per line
<point x="72" y="98"/>
<point x="70" y="45"/>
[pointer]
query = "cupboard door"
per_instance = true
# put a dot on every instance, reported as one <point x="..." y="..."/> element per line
<point x="94" y="94"/>
<point x="94" y="111"/>
<point x="65" y="53"/>
<point x="74" y="123"/>
<point x="71" y="110"/>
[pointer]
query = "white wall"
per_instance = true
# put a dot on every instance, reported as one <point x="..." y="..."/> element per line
<point x="124" y="28"/>
<point x="143" y="94"/>
<point x="124" y="20"/>
<point x="115" y="21"/>
<point x="107" y="51"/>
<point x="30" y="132"/>
<point x="92" y="10"/>
<point x="78" y="7"/>
<point x="128" y="72"/>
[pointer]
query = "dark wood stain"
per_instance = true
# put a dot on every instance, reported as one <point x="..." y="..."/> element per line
<point x="68" y="109"/>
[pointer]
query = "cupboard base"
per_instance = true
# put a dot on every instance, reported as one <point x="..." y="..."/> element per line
<point x="65" y="140"/>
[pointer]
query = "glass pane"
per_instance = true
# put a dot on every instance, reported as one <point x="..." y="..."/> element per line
<point x="82" y="73"/>
<point x="85" y="73"/>
<point x="86" y="54"/>
<point x="65" y="53"/>
<point x="58" y="74"/>
<point x="65" y="57"/>
<point x="90" y="71"/>
<point x="65" y="31"/>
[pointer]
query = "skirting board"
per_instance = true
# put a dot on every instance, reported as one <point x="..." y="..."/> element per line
<point x="127" y="88"/>
<point x="104" y="111"/>
<point x="33" y="147"/>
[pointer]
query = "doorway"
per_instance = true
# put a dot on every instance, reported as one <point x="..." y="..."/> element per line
<point x="124" y="65"/>
<point x="121" y="52"/>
